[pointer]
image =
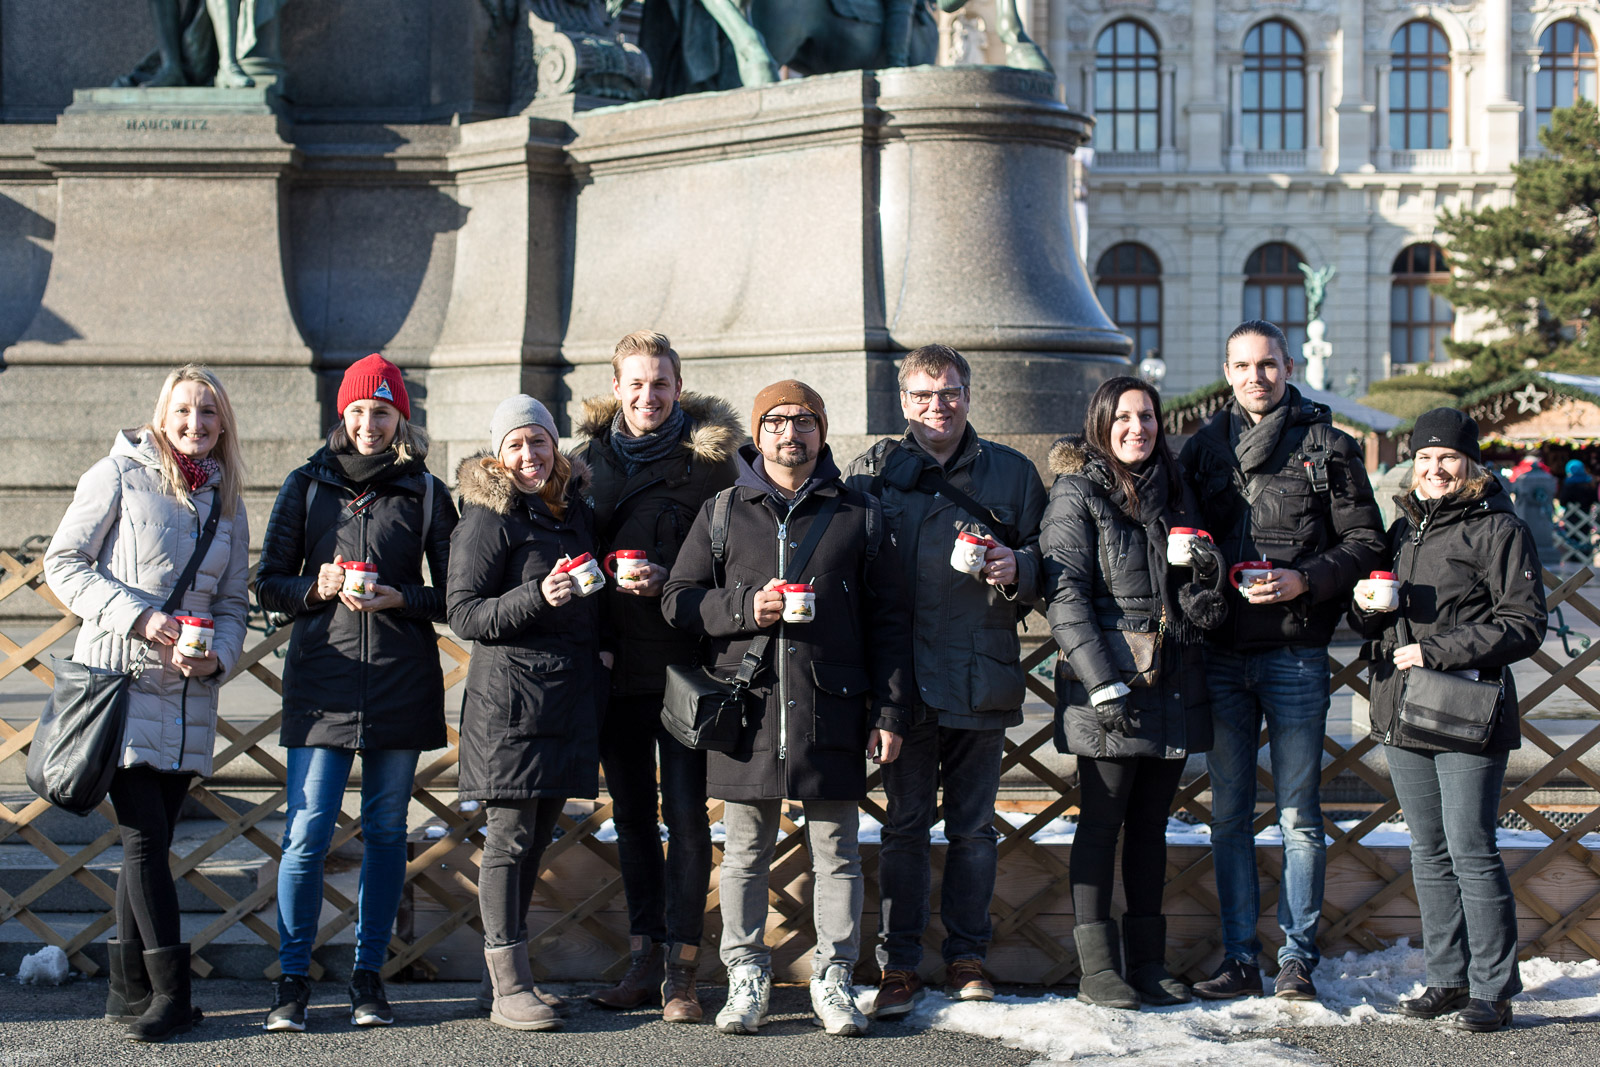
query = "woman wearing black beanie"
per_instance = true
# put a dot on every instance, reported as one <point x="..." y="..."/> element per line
<point x="1470" y="604"/>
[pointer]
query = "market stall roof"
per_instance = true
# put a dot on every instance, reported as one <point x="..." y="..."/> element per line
<point x="1531" y="409"/>
<point x="1185" y="413"/>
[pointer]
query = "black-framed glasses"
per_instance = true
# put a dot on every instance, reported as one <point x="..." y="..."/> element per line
<point x="947" y="397"/>
<point x="774" y="424"/>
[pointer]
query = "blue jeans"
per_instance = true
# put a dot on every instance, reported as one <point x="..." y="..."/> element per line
<point x="967" y="764"/>
<point x="1288" y="688"/>
<point x="317" y="780"/>
<point x="1469" y="917"/>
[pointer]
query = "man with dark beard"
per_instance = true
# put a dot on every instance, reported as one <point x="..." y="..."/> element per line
<point x="833" y="681"/>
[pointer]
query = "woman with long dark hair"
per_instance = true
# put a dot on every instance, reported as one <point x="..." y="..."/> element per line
<point x="1469" y="602"/>
<point x="137" y="518"/>
<point x="1130" y="699"/>
<point x="362" y="677"/>
<point x="530" y="718"/>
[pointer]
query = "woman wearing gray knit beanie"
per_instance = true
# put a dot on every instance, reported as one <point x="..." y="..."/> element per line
<point x="530" y="718"/>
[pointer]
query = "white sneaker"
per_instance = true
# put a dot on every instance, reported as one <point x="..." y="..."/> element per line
<point x="749" y="994"/>
<point x="834" y="1004"/>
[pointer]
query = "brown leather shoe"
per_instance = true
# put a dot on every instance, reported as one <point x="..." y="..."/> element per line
<point x="964" y="979"/>
<point x="642" y="984"/>
<point x="896" y="991"/>
<point x="680" y="1001"/>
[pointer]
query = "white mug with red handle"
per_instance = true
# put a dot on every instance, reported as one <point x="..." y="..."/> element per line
<point x="1244" y="575"/>
<point x="969" y="552"/>
<point x="628" y="565"/>
<point x="1379" y="591"/>
<point x="586" y="575"/>
<point x="1180" y="545"/>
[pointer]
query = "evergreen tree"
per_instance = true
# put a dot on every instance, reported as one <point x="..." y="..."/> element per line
<point x="1535" y="265"/>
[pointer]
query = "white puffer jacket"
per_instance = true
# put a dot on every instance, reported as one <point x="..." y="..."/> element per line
<point x="121" y="547"/>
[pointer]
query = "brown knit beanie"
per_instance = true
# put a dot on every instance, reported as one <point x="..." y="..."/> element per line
<point x="789" y="391"/>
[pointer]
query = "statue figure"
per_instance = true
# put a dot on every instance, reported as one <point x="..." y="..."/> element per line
<point x="199" y="42"/>
<point x="569" y="47"/>
<point x="806" y="36"/>
<point x="1316" y="288"/>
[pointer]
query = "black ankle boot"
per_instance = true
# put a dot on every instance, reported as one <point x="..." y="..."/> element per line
<point x="170" y="1011"/>
<point x="1144" y="939"/>
<point x="1484" y="1016"/>
<point x="1434" y="1002"/>
<point x="129" y="994"/>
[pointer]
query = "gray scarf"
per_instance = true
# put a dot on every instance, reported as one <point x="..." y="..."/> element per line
<point x="637" y="453"/>
<point x="1254" y="445"/>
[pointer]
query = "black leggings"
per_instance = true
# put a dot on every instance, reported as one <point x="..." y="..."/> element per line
<point x="147" y="802"/>
<point x="1133" y="793"/>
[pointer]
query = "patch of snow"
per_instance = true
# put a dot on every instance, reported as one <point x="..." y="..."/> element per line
<point x="48" y="966"/>
<point x="1357" y="989"/>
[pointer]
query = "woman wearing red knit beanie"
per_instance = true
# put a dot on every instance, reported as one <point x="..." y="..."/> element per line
<point x="362" y="676"/>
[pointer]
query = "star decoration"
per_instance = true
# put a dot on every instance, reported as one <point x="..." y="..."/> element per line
<point x="1529" y="399"/>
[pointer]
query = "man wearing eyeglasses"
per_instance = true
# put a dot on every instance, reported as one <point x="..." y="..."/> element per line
<point x="937" y="483"/>
<point x="833" y="684"/>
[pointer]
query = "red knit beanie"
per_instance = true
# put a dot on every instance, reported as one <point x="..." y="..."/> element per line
<point x="373" y="378"/>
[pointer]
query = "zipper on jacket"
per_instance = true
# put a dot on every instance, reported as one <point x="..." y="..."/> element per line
<point x="1411" y="570"/>
<point x="361" y="711"/>
<point x="783" y="673"/>
<point x="183" y="723"/>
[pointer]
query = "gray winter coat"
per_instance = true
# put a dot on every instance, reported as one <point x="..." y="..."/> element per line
<point x="964" y="630"/>
<point x="120" y="548"/>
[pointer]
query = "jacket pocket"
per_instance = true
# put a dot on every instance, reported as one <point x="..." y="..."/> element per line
<point x="541" y="696"/>
<point x="839" y="713"/>
<point x="997" y="680"/>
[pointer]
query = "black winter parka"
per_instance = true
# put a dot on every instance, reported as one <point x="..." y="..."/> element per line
<point x="1334" y="537"/>
<point x="652" y="510"/>
<point x="1471" y="596"/>
<point x="1100" y="576"/>
<point x="535" y="687"/>
<point x="827" y="682"/>
<point x="358" y="679"/>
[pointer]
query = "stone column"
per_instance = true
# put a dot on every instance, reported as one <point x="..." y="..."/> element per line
<point x="1353" y="133"/>
<point x="1169" y="96"/>
<point x="1236" y="116"/>
<point x="1204" y="109"/>
<point x="1314" y="156"/>
<point x="1530" y="107"/>
<point x="1460" y="150"/>
<point x="1385" y="159"/>
<point x="1497" y="138"/>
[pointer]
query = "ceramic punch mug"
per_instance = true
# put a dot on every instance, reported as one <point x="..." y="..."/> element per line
<point x="1244" y="575"/>
<point x="968" y="554"/>
<point x="360" y="579"/>
<point x="628" y="565"/>
<point x="195" y="637"/>
<point x="799" y="602"/>
<point x="1379" y="591"/>
<point x="1180" y="545"/>
<point x="586" y="574"/>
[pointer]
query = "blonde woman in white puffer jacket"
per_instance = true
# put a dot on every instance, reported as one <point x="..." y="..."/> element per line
<point x="124" y="542"/>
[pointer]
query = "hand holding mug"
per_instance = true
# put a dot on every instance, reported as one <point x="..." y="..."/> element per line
<point x="1378" y="592"/>
<point x="768" y="604"/>
<point x="330" y="579"/>
<point x="196" y="666"/>
<point x="999" y="565"/>
<point x="558" y="586"/>
<point x="384" y="598"/>
<point x="157" y="627"/>
<point x="635" y="574"/>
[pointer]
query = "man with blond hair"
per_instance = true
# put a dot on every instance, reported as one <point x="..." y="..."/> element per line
<point x="655" y="455"/>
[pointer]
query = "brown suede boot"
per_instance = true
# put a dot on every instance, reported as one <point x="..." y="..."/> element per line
<point x="642" y="983"/>
<point x="680" y="1002"/>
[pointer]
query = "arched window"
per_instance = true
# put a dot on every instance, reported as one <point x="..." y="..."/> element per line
<point x="1128" y="283"/>
<point x="1566" y="67"/>
<point x="1275" y="290"/>
<point x="1419" y="320"/>
<point x="1127" y="95"/>
<point x="1419" y="88"/>
<point x="1274" y="104"/>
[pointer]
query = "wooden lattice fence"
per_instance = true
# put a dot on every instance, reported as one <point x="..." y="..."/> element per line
<point x="580" y="923"/>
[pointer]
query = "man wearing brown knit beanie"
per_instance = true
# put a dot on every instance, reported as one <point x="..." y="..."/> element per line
<point x="789" y="573"/>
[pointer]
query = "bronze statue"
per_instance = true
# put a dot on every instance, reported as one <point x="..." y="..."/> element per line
<point x="1316" y="288"/>
<point x="199" y="42"/>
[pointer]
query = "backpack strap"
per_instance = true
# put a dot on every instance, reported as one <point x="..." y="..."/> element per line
<point x="721" y="513"/>
<point x="874" y="527"/>
<point x="427" y="507"/>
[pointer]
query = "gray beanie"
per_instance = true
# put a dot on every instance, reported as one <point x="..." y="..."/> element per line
<point x="516" y="412"/>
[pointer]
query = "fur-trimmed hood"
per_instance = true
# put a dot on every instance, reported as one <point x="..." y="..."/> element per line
<point x="1071" y="455"/>
<point x="481" y="480"/>
<point x="717" y="430"/>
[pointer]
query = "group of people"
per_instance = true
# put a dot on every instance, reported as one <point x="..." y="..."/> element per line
<point x="874" y="609"/>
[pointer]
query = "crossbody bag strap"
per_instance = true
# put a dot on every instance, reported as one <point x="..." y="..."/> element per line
<point x="932" y="481"/>
<point x="208" y="533"/>
<point x="751" y="663"/>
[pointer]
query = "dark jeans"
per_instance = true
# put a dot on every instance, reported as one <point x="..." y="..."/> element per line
<point x="1134" y="795"/>
<point x="147" y="802"/>
<point x="1469" y="917"/>
<point x="967" y="764"/>
<point x="514" y="842"/>
<point x="666" y="897"/>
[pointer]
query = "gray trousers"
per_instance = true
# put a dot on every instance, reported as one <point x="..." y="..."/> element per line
<point x="514" y="841"/>
<point x="831" y="827"/>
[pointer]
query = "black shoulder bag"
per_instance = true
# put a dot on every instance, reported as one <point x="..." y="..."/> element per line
<point x="1444" y="709"/>
<point x="77" y="743"/>
<point x="706" y="712"/>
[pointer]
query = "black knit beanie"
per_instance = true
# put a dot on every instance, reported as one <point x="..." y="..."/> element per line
<point x="1446" y="428"/>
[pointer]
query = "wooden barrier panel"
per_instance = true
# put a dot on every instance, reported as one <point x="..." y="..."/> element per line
<point x="580" y="921"/>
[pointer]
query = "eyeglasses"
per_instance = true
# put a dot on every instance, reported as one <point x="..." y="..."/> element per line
<point x="947" y="397"/>
<point x="774" y="424"/>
